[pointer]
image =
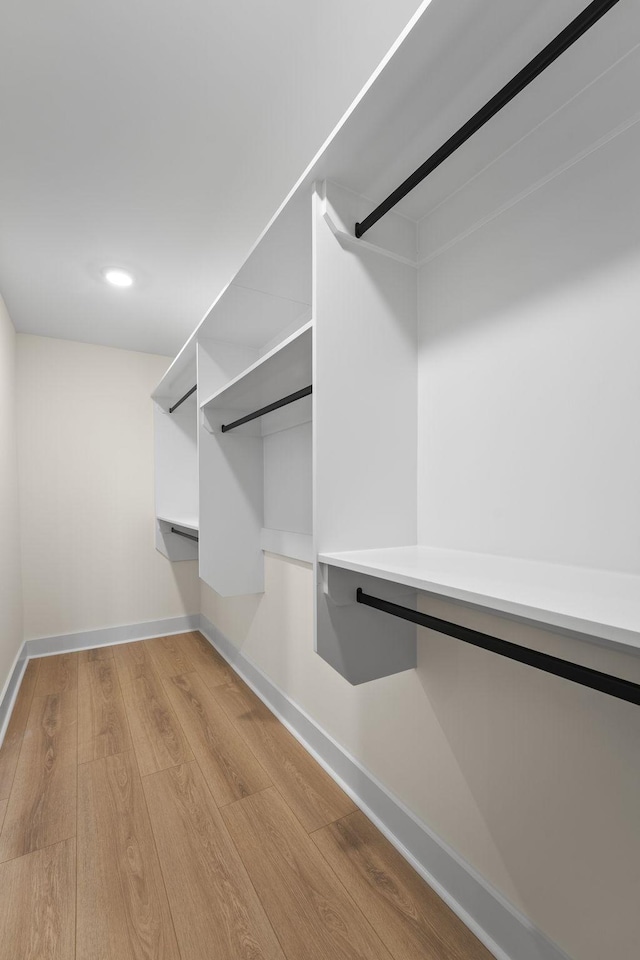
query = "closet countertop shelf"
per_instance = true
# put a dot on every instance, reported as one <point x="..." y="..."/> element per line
<point x="598" y="605"/>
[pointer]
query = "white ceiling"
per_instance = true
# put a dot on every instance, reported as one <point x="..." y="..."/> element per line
<point x="160" y="137"/>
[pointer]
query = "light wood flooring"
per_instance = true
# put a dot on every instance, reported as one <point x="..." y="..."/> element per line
<point x="152" y="808"/>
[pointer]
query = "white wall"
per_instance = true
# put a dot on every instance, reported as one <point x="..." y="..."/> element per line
<point x="10" y="572"/>
<point x="533" y="780"/>
<point x="85" y="428"/>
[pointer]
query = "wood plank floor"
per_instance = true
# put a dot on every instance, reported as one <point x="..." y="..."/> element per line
<point x="13" y="737"/>
<point x="195" y="825"/>
<point x="103" y="730"/>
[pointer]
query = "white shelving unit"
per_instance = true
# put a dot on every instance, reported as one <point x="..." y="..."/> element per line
<point x="176" y="458"/>
<point x="175" y="539"/>
<point x="473" y="357"/>
<point x="592" y="604"/>
<point x="282" y="371"/>
<point x="473" y="439"/>
<point x="254" y="348"/>
<point x="189" y="523"/>
<point x="261" y="469"/>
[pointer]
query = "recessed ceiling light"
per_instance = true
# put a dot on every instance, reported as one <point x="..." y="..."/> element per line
<point x="119" y="278"/>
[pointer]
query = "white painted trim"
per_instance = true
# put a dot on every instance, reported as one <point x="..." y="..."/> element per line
<point x="10" y="690"/>
<point x="358" y="243"/>
<point x="110" y="636"/>
<point x="335" y="222"/>
<point x="503" y="929"/>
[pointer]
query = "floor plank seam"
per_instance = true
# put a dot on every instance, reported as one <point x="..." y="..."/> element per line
<point x="46" y="846"/>
<point x="333" y="822"/>
<point x="151" y="827"/>
<point x="234" y="726"/>
<point x="231" y="803"/>
<point x="349" y="895"/>
<point x="120" y="753"/>
<point x="69" y="689"/>
<point x="241" y="732"/>
<point x="311" y="759"/>
<point x="160" y="865"/>
<point x="250" y="879"/>
<point x="132" y="749"/>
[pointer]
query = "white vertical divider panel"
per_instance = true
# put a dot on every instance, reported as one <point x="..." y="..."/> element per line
<point x="365" y="389"/>
<point x="288" y="481"/>
<point x="231" y="507"/>
<point x="176" y="476"/>
<point x="230" y="472"/>
<point x="365" y="415"/>
<point x="176" y="461"/>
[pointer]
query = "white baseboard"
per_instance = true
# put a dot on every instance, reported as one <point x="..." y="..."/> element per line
<point x="503" y="929"/>
<point x="86" y="639"/>
<point x="10" y="692"/>
<point x="108" y="636"/>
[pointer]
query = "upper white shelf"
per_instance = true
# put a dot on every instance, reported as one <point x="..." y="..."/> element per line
<point x="595" y="604"/>
<point x="284" y="370"/>
<point x="442" y="76"/>
<point x="189" y="523"/>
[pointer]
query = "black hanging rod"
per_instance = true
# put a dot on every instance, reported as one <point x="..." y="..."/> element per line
<point x="604" y="682"/>
<point x="182" y="399"/>
<point x="298" y="395"/>
<point x="589" y="16"/>
<point x="187" y="536"/>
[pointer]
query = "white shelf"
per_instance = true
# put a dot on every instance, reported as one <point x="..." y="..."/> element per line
<point x="284" y="370"/>
<point x="595" y="604"/>
<point x="176" y="548"/>
<point x="190" y="523"/>
<point x="261" y="473"/>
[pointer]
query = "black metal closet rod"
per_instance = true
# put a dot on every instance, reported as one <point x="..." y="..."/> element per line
<point x="187" y="536"/>
<point x="551" y="52"/>
<point x="614" y="686"/>
<point x="182" y="399"/>
<point x="298" y="395"/>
